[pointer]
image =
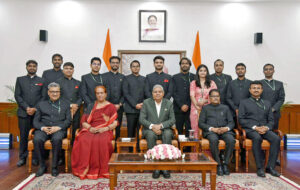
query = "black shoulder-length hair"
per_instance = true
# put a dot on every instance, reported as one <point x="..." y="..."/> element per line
<point x="207" y="78"/>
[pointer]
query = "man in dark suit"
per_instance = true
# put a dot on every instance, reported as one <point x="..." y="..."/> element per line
<point x="256" y="117"/>
<point x="90" y="81"/>
<point x="69" y="90"/>
<point x="157" y="117"/>
<point x="133" y="90"/>
<point x="29" y="90"/>
<point x="52" y="75"/>
<point x="273" y="92"/>
<point x="51" y="120"/>
<point x="181" y="94"/>
<point x="222" y="80"/>
<point x="159" y="77"/>
<point x="114" y="81"/>
<point x="217" y="123"/>
<point x="238" y="89"/>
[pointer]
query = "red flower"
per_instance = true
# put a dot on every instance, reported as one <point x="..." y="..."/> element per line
<point x="39" y="84"/>
<point x="166" y="80"/>
<point x="76" y="86"/>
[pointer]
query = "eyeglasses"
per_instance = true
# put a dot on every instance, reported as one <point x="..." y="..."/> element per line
<point x="96" y="64"/>
<point x="54" y="92"/>
<point x="214" y="96"/>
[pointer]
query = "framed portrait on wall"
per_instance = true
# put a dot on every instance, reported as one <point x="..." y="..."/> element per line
<point x="152" y="25"/>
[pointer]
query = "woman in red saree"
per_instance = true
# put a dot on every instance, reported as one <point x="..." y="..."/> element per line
<point x="92" y="147"/>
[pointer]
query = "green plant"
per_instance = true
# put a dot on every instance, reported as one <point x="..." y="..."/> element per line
<point x="11" y="110"/>
<point x="286" y="105"/>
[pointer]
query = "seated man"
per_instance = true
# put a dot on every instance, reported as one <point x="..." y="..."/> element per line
<point x="217" y="123"/>
<point x="157" y="117"/>
<point x="256" y="117"/>
<point x="51" y="120"/>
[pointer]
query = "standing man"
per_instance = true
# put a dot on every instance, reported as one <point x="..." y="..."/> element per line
<point x="114" y="81"/>
<point x="217" y="123"/>
<point x="159" y="77"/>
<point x="273" y="92"/>
<point x="256" y="117"/>
<point x="51" y="120"/>
<point x="181" y="94"/>
<point x="238" y="89"/>
<point x="52" y="75"/>
<point x="222" y="80"/>
<point x="69" y="90"/>
<point x="29" y="91"/>
<point x="90" y="81"/>
<point x="133" y="90"/>
<point x="157" y="117"/>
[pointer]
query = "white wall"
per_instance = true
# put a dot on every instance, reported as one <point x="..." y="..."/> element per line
<point x="78" y="29"/>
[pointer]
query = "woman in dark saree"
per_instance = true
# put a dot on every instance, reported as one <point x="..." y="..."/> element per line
<point x="92" y="147"/>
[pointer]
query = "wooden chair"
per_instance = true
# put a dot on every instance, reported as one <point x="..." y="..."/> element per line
<point x="113" y="142"/>
<point x="265" y="145"/>
<point x="204" y="145"/>
<point x="66" y="145"/>
<point x="143" y="142"/>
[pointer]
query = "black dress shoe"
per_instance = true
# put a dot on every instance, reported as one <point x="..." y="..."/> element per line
<point x="41" y="171"/>
<point x="277" y="162"/>
<point x="54" y="172"/>
<point x="35" y="162"/>
<point x="21" y="162"/>
<point x="156" y="174"/>
<point x="273" y="172"/>
<point x="60" y="162"/>
<point x="166" y="174"/>
<point x="226" y="170"/>
<point x="261" y="173"/>
<point x="220" y="170"/>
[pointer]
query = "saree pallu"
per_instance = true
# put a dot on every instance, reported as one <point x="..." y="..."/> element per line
<point x="91" y="152"/>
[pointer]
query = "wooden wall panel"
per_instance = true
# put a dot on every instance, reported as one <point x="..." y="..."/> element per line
<point x="289" y="122"/>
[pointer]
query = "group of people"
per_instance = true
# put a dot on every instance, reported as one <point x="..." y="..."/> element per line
<point x="214" y="103"/>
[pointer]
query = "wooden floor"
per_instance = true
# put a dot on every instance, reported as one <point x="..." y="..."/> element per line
<point x="11" y="175"/>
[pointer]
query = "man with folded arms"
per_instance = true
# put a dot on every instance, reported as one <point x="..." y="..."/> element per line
<point x="51" y="120"/>
<point x="157" y="117"/>
<point x="256" y="117"/>
<point x="217" y="123"/>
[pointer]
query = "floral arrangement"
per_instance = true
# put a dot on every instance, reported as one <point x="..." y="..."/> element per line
<point x="163" y="152"/>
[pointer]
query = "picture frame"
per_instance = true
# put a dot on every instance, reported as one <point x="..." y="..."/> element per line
<point x="152" y="25"/>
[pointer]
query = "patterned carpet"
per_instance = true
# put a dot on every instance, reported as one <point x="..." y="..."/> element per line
<point x="143" y="181"/>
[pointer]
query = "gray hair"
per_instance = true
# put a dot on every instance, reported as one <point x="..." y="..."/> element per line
<point x="158" y="86"/>
<point x="53" y="84"/>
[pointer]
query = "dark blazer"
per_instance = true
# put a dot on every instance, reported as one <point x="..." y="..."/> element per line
<point x="87" y="88"/>
<point x="222" y="83"/>
<point x="215" y="116"/>
<point x="148" y="114"/>
<point x="181" y="90"/>
<point x="28" y="92"/>
<point x="163" y="79"/>
<point x="276" y="96"/>
<point x="51" y="75"/>
<point x="133" y="90"/>
<point x="250" y="114"/>
<point x="237" y="91"/>
<point x="49" y="115"/>
<point x="70" y="90"/>
<point x="114" y="83"/>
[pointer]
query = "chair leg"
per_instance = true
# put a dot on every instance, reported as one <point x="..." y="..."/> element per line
<point x="247" y="160"/>
<point x="203" y="178"/>
<point x="267" y="157"/>
<point x="237" y="152"/>
<point x="281" y="161"/>
<point x="66" y="160"/>
<point x="29" y="161"/>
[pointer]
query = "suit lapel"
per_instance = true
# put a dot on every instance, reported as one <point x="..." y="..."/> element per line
<point x="162" y="108"/>
<point x="153" y="105"/>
